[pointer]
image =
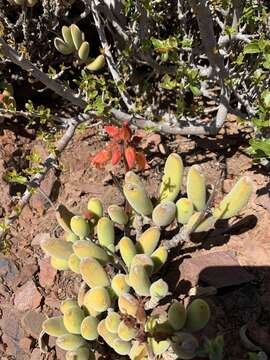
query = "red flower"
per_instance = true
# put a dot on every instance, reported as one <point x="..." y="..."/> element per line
<point x="122" y="144"/>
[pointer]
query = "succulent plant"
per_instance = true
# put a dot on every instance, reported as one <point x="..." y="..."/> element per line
<point x="138" y="198"/>
<point x="96" y="64"/>
<point x="89" y="328"/>
<point x="198" y="315"/>
<point x="73" y="42"/>
<point x="237" y="198"/>
<point x="117" y="214"/>
<point x="184" y="210"/>
<point x="93" y="273"/>
<point x="126" y="331"/>
<point x="172" y="178"/>
<point x="177" y="315"/>
<point x="70" y="342"/>
<point x="112" y="322"/>
<point x="158" y="290"/>
<point x="54" y="326"/>
<point x="28" y="3"/>
<point x="196" y="187"/>
<point x="164" y="213"/>
<point x="105" y="233"/>
<point x="72" y="319"/>
<point x="119" y="284"/>
<point x="59" y="264"/>
<point x="80" y="226"/>
<point x="121" y="280"/>
<point x="148" y="241"/>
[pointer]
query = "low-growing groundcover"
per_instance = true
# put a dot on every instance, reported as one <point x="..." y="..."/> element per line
<point x="121" y="274"/>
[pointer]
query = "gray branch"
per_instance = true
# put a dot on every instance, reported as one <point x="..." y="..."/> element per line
<point x="227" y="39"/>
<point x="110" y="61"/>
<point x="183" y="127"/>
<point x="205" y="22"/>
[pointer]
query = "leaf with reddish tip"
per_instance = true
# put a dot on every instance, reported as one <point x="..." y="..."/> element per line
<point x="116" y="157"/>
<point x="141" y="160"/>
<point x="125" y="133"/>
<point x="101" y="158"/>
<point x="112" y="130"/>
<point x="130" y="155"/>
<point x="136" y="140"/>
<point x="87" y="214"/>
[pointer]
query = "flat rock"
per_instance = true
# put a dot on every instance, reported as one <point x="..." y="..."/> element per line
<point x="52" y="301"/>
<point x="12" y="332"/>
<point x="39" y="237"/>
<point x="218" y="269"/>
<point x="8" y="270"/>
<point x="32" y="323"/>
<point x="26" y="272"/>
<point x="264" y="201"/>
<point x="47" y="273"/>
<point x="35" y="355"/>
<point x="25" y="344"/>
<point x="27" y="297"/>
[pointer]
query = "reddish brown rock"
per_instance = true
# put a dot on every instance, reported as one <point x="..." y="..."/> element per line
<point x="32" y="323"/>
<point x="218" y="269"/>
<point x="8" y="270"/>
<point x="35" y="355"/>
<point x="12" y="332"/>
<point x="25" y="274"/>
<point x="47" y="273"/>
<point x="25" y="344"/>
<point x="52" y="301"/>
<point x="39" y="237"/>
<point x="27" y="297"/>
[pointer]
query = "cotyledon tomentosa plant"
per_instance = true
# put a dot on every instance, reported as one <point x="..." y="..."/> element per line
<point x="73" y="42"/>
<point x="27" y="3"/>
<point x="116" y="305"/>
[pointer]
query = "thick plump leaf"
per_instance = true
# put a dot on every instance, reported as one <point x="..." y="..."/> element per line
<point x="116" y="157"/>
<point x="141" y="160"/>
<point x="101" y="158"/>
<point x="126" y="133"/>
<point x="130" y="155"/>
<point x="111" y="130"/>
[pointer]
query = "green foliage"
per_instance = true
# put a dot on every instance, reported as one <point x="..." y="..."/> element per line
<point x="12" y="176"/>
<point x="214" y="348"/>
<point x="259" y="149"/>
<point x="257" y="356"/>
<point x="44" y="115"/>
<point x="98" y="91"/>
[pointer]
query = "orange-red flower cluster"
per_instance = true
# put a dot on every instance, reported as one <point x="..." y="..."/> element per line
<point x="123" y="145"/>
